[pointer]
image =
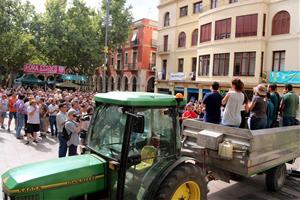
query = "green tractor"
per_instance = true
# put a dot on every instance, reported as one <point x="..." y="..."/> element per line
<point x="133" y="152"/>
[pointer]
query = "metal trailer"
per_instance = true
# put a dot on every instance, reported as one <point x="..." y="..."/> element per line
<point x="247" y="153"/>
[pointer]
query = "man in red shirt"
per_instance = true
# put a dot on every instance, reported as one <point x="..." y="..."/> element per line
<point x="12" y="111"/>
<point x="189" y="112"/>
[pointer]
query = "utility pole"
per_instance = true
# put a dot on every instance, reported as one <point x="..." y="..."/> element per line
<point x="105" y="67"/>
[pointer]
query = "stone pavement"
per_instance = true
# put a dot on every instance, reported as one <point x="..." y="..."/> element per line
<point x="15" y="153"/>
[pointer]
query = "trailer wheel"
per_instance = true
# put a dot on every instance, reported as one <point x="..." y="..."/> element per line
<point x="275" y="177"/>
<point x="185" y="182"/>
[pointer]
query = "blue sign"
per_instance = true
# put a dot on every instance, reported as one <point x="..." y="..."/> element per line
<point x="291" y="77"/>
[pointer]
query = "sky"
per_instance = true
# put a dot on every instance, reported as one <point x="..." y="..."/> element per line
<point x="140" y="8"/>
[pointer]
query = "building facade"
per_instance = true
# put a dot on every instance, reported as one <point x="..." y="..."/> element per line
<point x="131" y="68"/>
<point x="249" y="39"/>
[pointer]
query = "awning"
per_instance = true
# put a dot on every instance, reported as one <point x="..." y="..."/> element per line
<point x="71" y="77"/>
<point x="193" y="90"/>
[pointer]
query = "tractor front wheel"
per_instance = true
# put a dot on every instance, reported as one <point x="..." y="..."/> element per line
<point x="185" y="182"/>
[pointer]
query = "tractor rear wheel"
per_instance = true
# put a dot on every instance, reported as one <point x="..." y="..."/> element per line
<point x="185" y="182"/>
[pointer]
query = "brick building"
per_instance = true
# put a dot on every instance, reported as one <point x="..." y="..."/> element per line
<point x="131" y="68"/>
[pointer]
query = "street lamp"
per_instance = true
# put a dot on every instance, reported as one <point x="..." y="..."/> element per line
<point x="106" y="45"/>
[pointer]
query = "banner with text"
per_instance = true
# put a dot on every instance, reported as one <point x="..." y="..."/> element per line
<point x="291" y="77"/>
<point x="44" y="69"/>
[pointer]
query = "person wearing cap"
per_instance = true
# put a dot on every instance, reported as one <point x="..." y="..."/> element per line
<point x="33" y="114"/>
<point x="289" y="106"/>
<point x="189" y="112"/>
<point x="258" y="108"/>
<point x="73" y="129"/>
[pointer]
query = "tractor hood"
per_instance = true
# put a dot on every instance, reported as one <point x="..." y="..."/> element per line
<point x="54" y="174"/>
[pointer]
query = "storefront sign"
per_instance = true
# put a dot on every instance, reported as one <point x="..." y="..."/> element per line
<point x="44" y="69"/>
<point x="180" y="76"/>
<point x="291" y="77"/>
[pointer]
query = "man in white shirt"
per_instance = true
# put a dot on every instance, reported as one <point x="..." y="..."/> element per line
<point x="53" y="110"/>
<point x="33" y="120"/>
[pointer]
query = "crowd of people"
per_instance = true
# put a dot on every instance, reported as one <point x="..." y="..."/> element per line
<point x="47" y="113"/>
<point x="66" y="114"/>
<point x="267" y="109"/>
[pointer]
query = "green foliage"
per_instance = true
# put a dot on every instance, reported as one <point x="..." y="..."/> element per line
<point x="121" y="19"/>
<point x="71" y="36"/>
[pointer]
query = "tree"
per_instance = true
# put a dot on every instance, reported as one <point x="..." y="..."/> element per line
<point x="16" y="40"/>
<point x="121" y="20"/>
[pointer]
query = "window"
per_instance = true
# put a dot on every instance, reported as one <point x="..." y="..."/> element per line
<point x="183" y="11"/>
<point x="180" y="64"/>
<point x="195" y="37"/>
<point x="213" y="4"/>
<point x="203" y="69"/>
<point x="244" y="64"/>
<point x="181" y="39"/>
<point x="134" y="57"/>
<point x="126" y="58"/>
<point x="233" y="1"/>
<point x="261" y="64"/>
<point x="153" y="59"/>
<point x="197" y="7"/>
<point x="112" y="61"/>
<point x="194" y="67"/>
<point x="246" y="25"/>
<point x="166" y="45"/>
<point x="221" y="64"/>
<point x="167" y="19"/>
<point x="164" y="70"/>
<point x="264" y="25"/>
<point x="205" y="32"/>
<point x="281" y="23"/>
<point x="278" y="61"/>
<point x="223" y="29"/>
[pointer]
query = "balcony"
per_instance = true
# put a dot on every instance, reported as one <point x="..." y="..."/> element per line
<point x="134" y="43"/>
<point x="164" y="49"/>
<point x="154" y="43"/>
<point x="132" y="66"/>
<point x="151" y="65"/>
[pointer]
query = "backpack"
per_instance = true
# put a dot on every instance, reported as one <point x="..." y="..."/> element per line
<point x="65" y="134"/>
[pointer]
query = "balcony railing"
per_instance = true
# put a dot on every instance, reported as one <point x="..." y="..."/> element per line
<point x="132" y="66"/>
<point x="154" y="43"/>
<point x="135" y="43"/>
<point x="164" y="49"/>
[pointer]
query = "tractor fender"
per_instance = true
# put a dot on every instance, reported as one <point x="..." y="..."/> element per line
<point x="163" y="175"/>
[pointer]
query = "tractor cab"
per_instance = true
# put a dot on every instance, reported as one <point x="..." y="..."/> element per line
<point x="138" y="135"/>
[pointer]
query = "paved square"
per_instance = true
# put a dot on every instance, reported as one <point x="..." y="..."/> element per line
<point x="15" y="153"/>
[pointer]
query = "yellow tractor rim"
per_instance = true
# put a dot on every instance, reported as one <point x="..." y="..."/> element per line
<point x="187" y="191"/>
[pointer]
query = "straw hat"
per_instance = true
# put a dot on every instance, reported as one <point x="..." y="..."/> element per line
<point x="261" y="90"/>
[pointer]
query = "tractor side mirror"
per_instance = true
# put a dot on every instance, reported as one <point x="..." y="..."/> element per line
<point x="138" y="123"/>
